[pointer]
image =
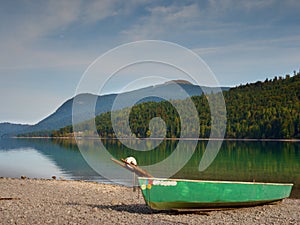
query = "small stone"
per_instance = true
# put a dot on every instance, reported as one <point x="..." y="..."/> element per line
<point x="115" y="202"/>
<point x="54" y="177"/>
<point x="95" y="209"/>
<point x="23" y="177"/>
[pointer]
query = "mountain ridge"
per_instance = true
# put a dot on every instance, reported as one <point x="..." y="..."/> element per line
<point x="63" y="114"/>
<point x="261" y="110"/>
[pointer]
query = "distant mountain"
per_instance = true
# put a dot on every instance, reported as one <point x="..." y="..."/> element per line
<point x="9" y="128"/>
<point x="63" y="115"/>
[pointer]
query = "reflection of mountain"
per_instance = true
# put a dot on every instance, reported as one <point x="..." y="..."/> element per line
<point x="14" y="163"/>
<point x="236" y="160"/>
<point x="68" y="160"/>
<point x="63" y="115"/>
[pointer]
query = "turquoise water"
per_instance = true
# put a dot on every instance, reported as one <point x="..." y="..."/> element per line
<point x="266" y="161"/>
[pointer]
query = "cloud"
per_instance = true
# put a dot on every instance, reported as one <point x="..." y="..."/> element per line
<point x="213" y="20"/>
<point x="98" y="10"/>
<point x="250" y="61"/>
<point x="44" y="33"/>
<point x="226" y="5"/>
<point x="161" y="20"/>
<point x="57" y="33"/>
<point x="38" y="19"/>
<point x="29" y="29"/>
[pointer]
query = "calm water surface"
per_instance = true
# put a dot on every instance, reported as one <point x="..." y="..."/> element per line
<point x="266" y="161"/>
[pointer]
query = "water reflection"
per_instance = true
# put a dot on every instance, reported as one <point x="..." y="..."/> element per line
<point x="14" y="163"/>
<point x="65" y="158"/>
<point x="236" y="160"/>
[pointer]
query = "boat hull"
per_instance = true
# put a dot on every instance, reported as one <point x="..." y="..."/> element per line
<point x="164" y="194"/>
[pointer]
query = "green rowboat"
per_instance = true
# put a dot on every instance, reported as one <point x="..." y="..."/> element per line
<point x="165" y="194"/>
<point x="181" y="194"/>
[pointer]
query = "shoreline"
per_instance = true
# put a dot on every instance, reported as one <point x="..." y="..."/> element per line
<point x="171" y="139"/>
<point x="41" y="201"/>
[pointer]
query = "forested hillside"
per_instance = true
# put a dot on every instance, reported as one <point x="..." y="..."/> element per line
<point x="269" y="109"/>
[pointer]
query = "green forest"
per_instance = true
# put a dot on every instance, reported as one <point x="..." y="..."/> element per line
<point x="261" y="110"/>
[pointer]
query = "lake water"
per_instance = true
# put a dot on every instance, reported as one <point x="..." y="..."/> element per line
<point x="266" y="161"/>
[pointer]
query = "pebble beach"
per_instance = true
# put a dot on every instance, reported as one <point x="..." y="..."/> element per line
<point x="38" y="201"/>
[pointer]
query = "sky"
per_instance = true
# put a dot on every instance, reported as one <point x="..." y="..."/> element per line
<point x="46" y="46"/>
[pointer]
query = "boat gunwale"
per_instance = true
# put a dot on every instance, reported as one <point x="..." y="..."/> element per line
<point x="215" y="181"/>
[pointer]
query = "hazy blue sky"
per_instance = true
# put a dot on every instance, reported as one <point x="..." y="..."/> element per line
<point x="47" y="45"/>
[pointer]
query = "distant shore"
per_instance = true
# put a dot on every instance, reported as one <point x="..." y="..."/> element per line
<point x="37" y="201"/>
<point x="171" y="139"/>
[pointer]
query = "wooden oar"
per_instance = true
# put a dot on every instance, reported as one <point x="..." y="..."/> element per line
<point x="133" y="168"/>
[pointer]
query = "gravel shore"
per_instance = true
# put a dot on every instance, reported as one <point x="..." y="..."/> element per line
<point x="32" y="201"/>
